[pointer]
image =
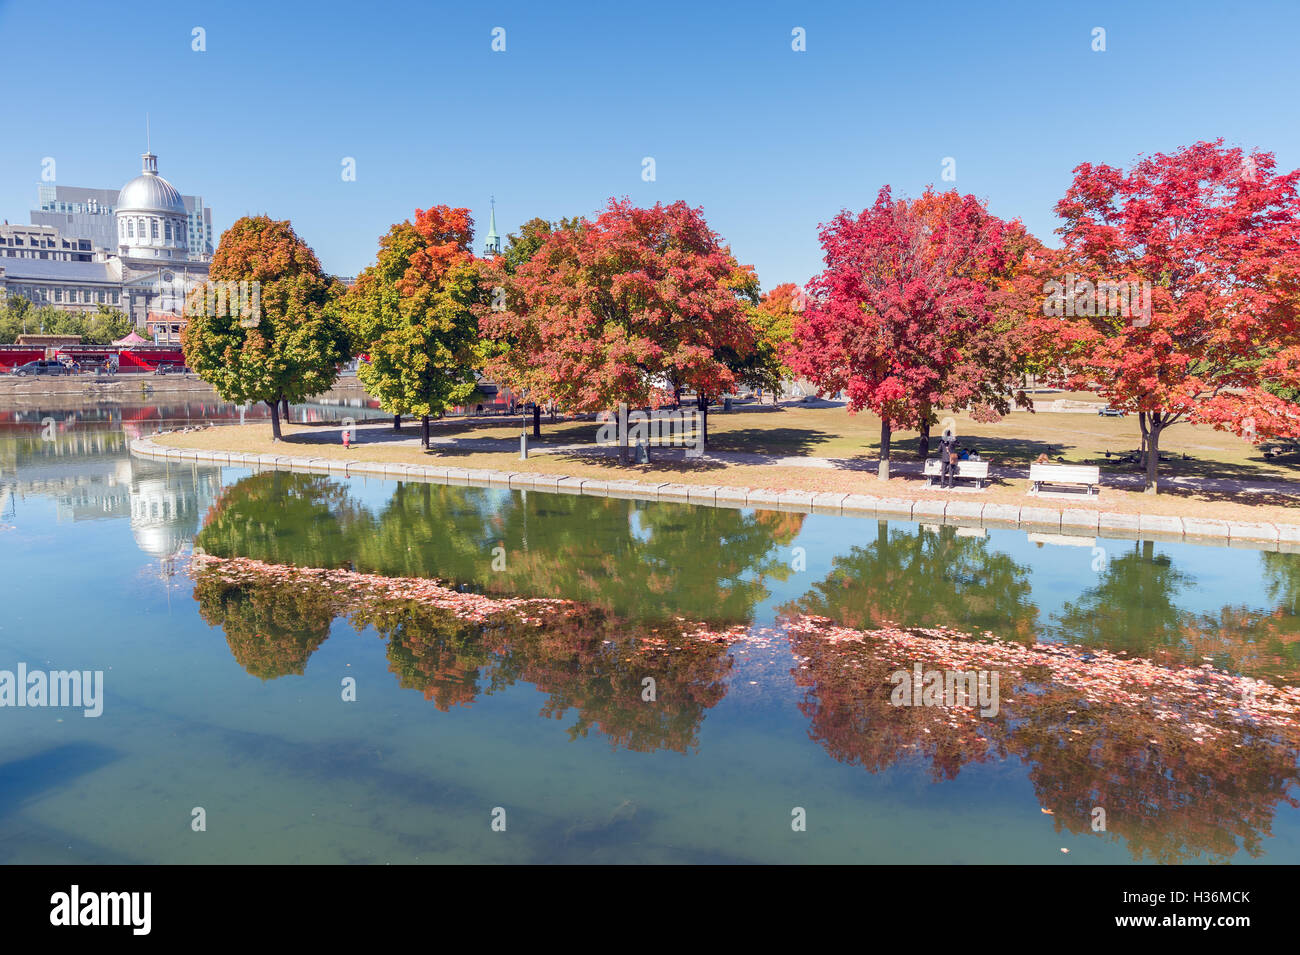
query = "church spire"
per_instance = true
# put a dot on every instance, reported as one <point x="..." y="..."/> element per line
<point x="493" y="246"/>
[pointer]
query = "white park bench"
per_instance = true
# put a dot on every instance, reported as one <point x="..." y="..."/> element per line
<point x="977" y="471"/>
<point x="1064" y="474"/>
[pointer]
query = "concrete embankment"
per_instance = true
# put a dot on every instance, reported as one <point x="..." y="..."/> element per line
<point x="128" y="388"/>
<point x="1047" y="525"/>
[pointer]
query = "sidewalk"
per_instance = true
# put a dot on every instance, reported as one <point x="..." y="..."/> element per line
<point x="908" y="466"/>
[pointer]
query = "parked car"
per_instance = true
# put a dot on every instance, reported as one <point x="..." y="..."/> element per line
<point x="42" y="368"/>
<point x="1109" y="412"/>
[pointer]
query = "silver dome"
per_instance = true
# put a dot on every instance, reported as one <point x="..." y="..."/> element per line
<point x="150" y="192"/>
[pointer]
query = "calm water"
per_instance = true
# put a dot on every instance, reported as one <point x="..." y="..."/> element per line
<point x="226" y="695"/>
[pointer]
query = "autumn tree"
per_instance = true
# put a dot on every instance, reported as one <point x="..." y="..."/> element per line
<point x="622" y="309"/>
<point x="262" y="328"/>
<point x="758" y="364"/>
<point x="520" y="248"/>
<point x="1208" y="238"/>
<point x="774" y="318"/>
<point x="413" y="314"/>
<point x="905" y="317"/>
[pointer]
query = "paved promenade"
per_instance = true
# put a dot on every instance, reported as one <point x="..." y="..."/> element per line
<point x="962" y="510"/>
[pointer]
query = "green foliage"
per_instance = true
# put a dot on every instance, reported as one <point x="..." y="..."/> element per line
<point x="294" y="348"/>
<point x="414" y="314"/>
<point x="100" y="327"/>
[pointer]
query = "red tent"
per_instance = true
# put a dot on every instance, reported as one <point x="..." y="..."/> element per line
<point x="132" y="339"/>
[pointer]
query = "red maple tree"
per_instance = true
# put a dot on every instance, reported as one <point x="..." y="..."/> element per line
<point x="623" y="309"/>
<point x="1212" y="237"/>
<point x="908" y="315"/>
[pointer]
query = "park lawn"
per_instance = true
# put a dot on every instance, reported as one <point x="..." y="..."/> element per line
<point x="1015" y="441"/>
<point x="739" y="431"/>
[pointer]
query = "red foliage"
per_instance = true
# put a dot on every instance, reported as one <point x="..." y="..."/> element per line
<point x="907" y="315"/>
<point x="1216" y="233"/>
<point x="611" y="311"/>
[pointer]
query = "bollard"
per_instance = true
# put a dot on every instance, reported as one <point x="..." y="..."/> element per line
<point x="523" y="447"/>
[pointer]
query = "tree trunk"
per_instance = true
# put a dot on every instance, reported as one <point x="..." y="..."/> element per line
<point x="703" y="404"/>
<point x="397" y="422"/>
<point x="537" y="420"/>
<point x="923" y="446"/>
<point x="275" y="419"/>
<point x="623" y="442"/>
<point x="1153" y="455"/>
<point x="1142" y="426"/>
<point x="285" y="402"/>
<point x="424" y="432"/>
<point x="885" y="434"/>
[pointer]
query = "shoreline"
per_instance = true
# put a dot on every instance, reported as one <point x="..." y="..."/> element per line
<point x="1077" y="523"/>
<point x="128" y="387"/>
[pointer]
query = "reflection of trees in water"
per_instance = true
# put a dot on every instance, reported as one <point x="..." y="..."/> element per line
<point x="1136" y="606"/>
<point x="940" y="578"/>
<point x="1174" y="788"/>
<point x="632" y="568"/>
<point x="1133" y="607"/>
<point x="582" y="658"/>
<point x="286" y="518"/>
<point x="635" y="560"/>
<point x="272" y="625"/>
<point x="1281" y="574"/>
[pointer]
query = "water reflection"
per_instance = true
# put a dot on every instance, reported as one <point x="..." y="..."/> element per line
<point x="682" y="596"/>
<point x="455" y="649"/>
<point x="1167" y="760"/>
<point x="627" y="557"/>
<point x="938" y="577"/>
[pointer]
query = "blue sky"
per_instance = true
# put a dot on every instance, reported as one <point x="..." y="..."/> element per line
<point x="769" y="141"/>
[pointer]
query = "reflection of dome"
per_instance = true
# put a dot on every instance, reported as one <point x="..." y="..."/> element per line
<point x="166" y="506"/>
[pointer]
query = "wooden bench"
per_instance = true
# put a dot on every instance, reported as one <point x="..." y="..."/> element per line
<point x="1279" y="449"/>
<point x="1064" y="474"/>
<point x="977" y="471"/>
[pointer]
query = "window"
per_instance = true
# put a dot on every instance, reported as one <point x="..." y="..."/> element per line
<point x="130" y="228"/>
<point x="153" y="228"/>
<point x="167" y="230"/>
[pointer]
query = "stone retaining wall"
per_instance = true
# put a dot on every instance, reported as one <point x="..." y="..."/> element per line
<point x="1080" y="522"/>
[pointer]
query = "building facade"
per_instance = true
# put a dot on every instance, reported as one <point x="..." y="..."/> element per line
<point x="42" y="242"/>
<point x="145" y="272"/>
<point x="91" y="214"/>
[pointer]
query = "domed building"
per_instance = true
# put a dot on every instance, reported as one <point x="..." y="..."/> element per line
<point x="139" y="249"/>
<point x="151" y="217"/>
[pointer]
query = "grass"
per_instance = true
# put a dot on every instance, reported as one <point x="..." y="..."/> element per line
<point x="851" y="441"/>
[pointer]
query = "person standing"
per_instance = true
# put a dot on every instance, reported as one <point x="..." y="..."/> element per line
<point x="948" y="459"/>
